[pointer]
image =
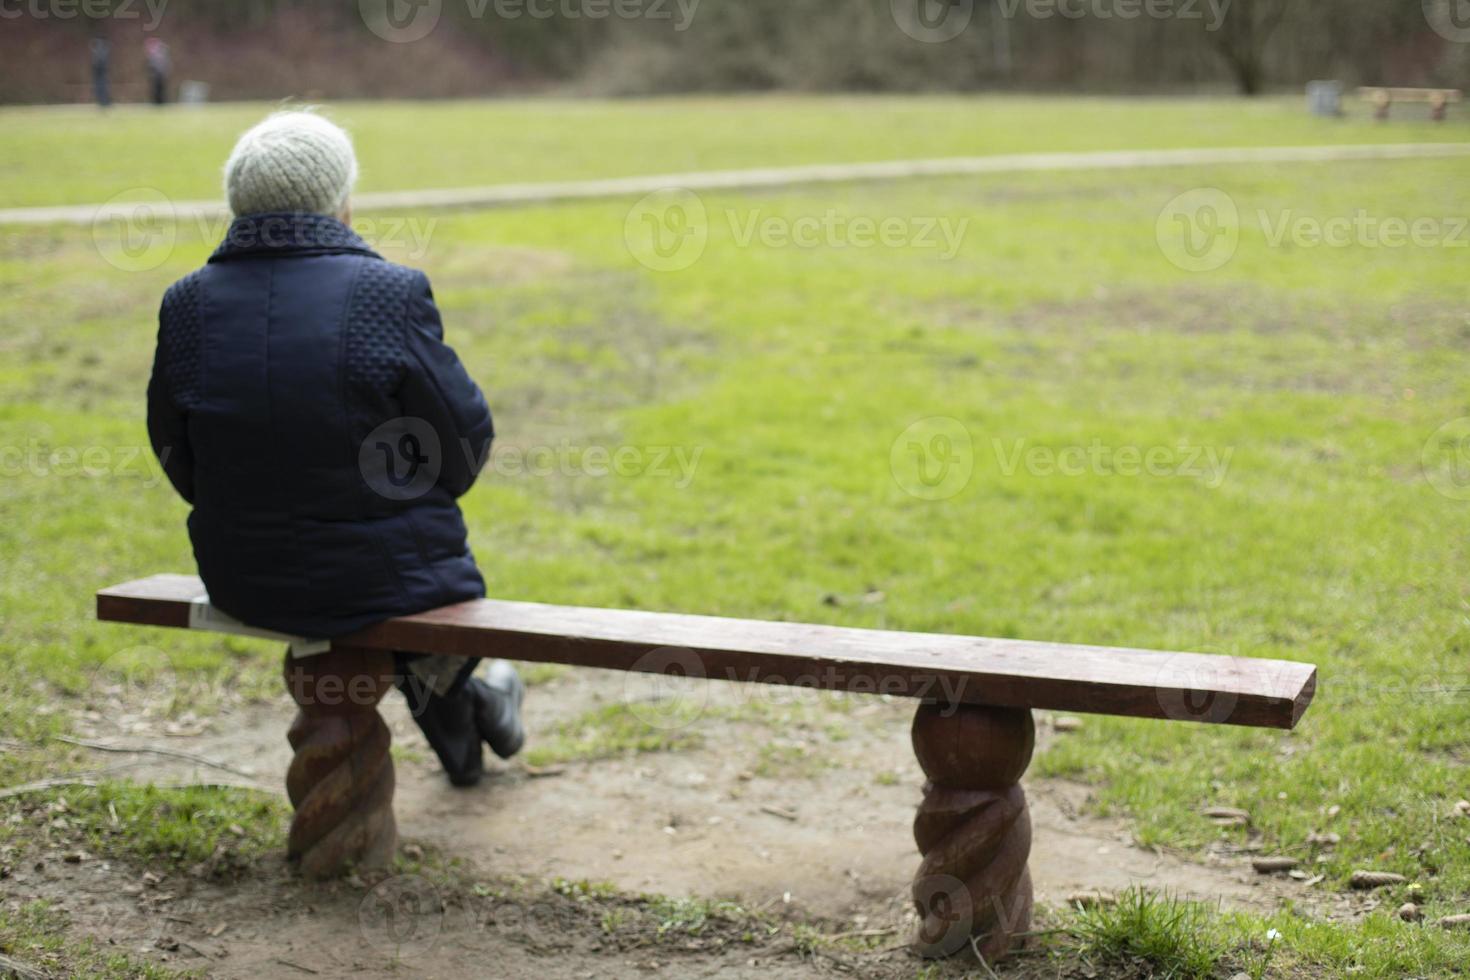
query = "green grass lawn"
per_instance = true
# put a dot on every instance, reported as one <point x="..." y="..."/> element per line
<point x="80" y="156"/>
<point x="1313" y="376"/>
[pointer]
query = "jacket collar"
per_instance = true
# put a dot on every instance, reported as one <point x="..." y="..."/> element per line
<point x="284" y="234"/>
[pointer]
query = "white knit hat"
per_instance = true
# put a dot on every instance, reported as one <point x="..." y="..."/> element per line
<point x="293" y="161"/>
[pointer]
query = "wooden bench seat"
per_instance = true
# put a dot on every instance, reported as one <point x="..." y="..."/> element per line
<point x="1383" y="99"/>
<point x="973" y="733"/>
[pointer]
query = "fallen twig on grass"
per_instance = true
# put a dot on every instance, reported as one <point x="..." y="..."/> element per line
<point x="975" y="945"/>
<point x="802" y="950"/>
<point x="214" y="784"/>
<point x="15" y="968"/>
<point x="88" y="778"/>
<point x="195" y="949"/>
<point x="862" y="934"/>
<point x="906" y="946"/>
<point x="153" y="750"/>
<point x="91" y="780"/>
<point x="42" y="784"/>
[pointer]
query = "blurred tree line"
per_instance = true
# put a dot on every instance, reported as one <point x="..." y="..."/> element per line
<point x="1083" y="45"/>
<point x="271" y="48"/>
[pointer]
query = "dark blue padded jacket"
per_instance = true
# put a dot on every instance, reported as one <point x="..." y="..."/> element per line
<point x="304" y="402"/>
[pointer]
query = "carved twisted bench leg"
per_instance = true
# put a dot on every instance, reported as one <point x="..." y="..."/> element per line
<point x="341" y="778"/>
<point x="973" y="828"/>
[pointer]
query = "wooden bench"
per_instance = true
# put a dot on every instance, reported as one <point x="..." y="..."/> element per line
<point x="1384" y="98"/>
<point x="973" y="733"/>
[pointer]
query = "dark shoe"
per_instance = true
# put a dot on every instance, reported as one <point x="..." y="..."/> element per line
<point x="450" y="726"/>
<point x="497" y="706"/>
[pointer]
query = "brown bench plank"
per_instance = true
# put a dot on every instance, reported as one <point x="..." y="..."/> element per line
<point x="974" y="670"/>
<point x="1409" y="94"/>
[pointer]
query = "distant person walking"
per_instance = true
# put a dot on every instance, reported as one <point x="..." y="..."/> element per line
<point x="158" y="69"/>
<point x="101" y="63"/>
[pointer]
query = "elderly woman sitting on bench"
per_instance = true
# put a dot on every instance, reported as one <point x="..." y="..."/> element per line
<point x="304" y="402"/>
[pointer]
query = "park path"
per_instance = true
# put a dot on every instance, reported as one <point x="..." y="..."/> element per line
<point x="519" y="195"/>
